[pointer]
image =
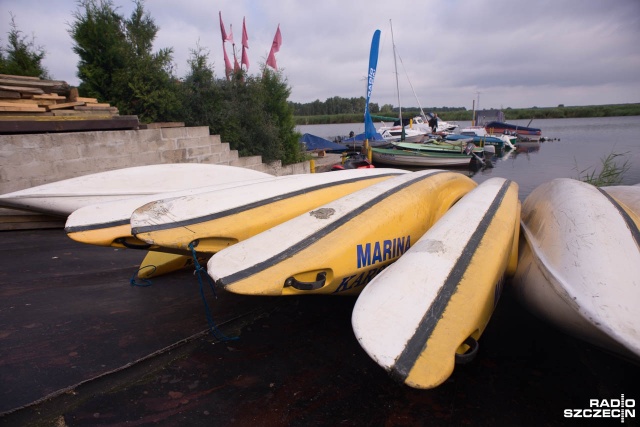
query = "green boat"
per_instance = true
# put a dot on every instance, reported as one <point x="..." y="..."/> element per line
<point x="438" y="146"/>
<point x="416" y="158"/>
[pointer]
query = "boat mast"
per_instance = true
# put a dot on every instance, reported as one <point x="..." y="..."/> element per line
<point x="395" y="63"/>
<point x="424" y="116"/>
<point x="473" y="114"/>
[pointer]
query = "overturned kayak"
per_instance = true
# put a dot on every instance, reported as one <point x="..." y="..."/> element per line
<point x="579" y="265"/>
<point x="65" y="196"/>
<point x="627" y="195"/>
<point x="109" y="223"/>
<point x="211" y="221"/>
<point x="428" y="309"/>
<point x="339" y="247"/>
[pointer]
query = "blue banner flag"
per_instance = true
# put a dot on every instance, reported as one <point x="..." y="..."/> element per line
<point x="369" y="129"/>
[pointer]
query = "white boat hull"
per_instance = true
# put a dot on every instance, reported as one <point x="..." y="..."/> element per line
<point x="394" y="134"/>
<point x="64" y="197"/>
<point x="579" y="265"/>
<point x="628" y="195"/>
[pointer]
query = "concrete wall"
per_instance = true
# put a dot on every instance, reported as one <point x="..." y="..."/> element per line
<point x="30" y="160"/>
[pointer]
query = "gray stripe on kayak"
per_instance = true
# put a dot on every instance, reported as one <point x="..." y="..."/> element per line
<point x="248" y="206"/>
<point x="635" y="233"/>
<point x="418" y="342"/>
<point x="77" y="228"/>
<point x="308" y="241"/>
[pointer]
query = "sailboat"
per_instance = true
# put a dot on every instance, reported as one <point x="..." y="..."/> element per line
<point x="405" y="154"/>
<point x="399" y="131"/>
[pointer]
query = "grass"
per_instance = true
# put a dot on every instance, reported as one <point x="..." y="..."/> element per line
<point x="611" y="173"/>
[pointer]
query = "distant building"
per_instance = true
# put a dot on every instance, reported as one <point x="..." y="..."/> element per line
<point x="485" y="116"/>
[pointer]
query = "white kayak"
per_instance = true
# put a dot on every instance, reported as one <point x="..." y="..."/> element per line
<point x="109" y="223"/>
<point x="427" y="311"/>
<point x="579" y="265"/>
<point x="628" y="195"/>
<point x="65" y="196"/>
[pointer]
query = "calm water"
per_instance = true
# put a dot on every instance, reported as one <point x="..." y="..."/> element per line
<point x="578" y="148"/>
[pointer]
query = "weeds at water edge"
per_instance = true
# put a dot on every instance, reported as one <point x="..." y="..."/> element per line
<point x="612" y="171"/>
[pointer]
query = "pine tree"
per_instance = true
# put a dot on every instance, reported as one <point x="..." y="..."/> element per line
<point x="21" y="57"/>
<point x="117" y="64"/>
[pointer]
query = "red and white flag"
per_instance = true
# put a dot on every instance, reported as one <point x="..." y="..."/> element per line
<point x="275" y="48"/>
<point x="245" y="45"/>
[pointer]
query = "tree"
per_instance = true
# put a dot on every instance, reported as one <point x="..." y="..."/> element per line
<point x="100" y="44"/>
<point x="117" y="64"/>
<point x="200" y="96"/>
<point x="21" y="57"/>
<point x="251" y="113"/>
<point x="277" y="92"/>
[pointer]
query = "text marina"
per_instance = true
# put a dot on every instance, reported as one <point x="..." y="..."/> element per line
<point x="371" y="253"/>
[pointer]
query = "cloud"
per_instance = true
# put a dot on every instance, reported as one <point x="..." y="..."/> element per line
<point x="514" y="52"/>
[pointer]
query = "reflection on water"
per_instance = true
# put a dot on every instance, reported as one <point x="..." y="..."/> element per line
<point x="577" y="146"/>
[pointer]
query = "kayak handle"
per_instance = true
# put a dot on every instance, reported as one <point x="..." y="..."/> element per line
<point x="307" y="286"/>
<point x="123" y="242"/>
<point x="470" y="354"/>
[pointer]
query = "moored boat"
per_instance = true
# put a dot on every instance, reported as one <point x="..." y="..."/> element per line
<point x="354" y="160"/>
<point x="438" y="146"/>
<point x="314" y="143"/>
<point x="374" y="139"/>
<point x="415" y="158"/>
<point x="443" y="127"/>
<point x="579" y="265"/>
<point x="509" y="138"/>
<point x="523" y="132"/>
<point x="402" y="133"/>
<point x="499" y="142"/>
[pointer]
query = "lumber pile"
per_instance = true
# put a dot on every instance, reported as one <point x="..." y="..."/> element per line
<point x="31" y="105"/>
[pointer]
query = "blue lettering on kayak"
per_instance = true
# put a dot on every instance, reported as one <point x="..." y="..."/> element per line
<point x="358" y="280"/>
<point x="372" y="253"/>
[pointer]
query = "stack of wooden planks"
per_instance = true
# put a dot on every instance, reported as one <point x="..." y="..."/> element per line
<point x="31" y="105"/>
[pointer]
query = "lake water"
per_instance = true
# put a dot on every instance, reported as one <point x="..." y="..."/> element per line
<point x="577" y="147"/>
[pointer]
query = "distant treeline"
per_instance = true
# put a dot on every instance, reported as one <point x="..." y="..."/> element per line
<point x="350" y="110"/>
<point x="343" y="110"/>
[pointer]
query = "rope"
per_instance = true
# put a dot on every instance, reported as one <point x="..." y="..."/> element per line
<point x="199" y="270"/>
<point x="145" y="282"/>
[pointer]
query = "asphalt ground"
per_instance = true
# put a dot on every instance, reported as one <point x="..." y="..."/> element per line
<point x="81" y="346"/>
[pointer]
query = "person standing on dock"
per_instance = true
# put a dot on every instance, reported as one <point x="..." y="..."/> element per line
<point x="433" y="123"/>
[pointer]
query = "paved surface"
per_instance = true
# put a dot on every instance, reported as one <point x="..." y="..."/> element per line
<point x="80" y="346"/>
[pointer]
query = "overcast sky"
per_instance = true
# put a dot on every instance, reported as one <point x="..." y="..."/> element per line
<point x="506" y="53"/>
